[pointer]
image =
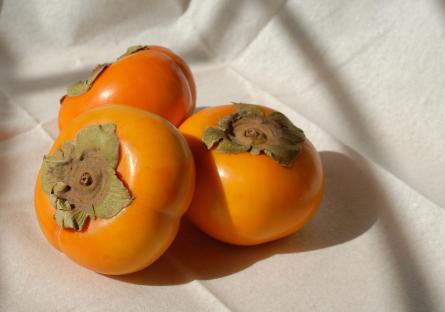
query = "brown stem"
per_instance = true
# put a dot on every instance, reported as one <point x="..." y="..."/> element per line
<point x="251" y="132"/>
<point x="86" y="179"/>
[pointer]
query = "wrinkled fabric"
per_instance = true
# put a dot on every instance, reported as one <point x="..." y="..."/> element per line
<point x="364" y="79"/>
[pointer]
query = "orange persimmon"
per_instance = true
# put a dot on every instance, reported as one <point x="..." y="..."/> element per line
<point x="258" y="178"/>
<point x="182" y="64"/>
<point x="113" y="188"/>
<point x="152" y="78"/>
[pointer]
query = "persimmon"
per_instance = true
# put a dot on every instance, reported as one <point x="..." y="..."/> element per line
<point x="152" y="78"/>
<point x="112" y="190"/>
<point x="258" y="178"/>
<point x="181" y="63"/>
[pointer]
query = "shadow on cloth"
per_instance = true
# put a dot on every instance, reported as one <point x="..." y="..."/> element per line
<point x="228" y="12"/>
<point x="348" y="210"/>
<point x="415" y="288"/>
<point x="14" y="84"/>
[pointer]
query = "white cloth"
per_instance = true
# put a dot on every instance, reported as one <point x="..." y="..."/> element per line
<point x="364" y="79"/>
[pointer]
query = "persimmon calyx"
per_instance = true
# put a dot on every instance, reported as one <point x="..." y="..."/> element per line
<point x="133" y="49"/>
<point x="80" y="178"/>
<point x="250" y="129"/>
<point x="82" y="86"/>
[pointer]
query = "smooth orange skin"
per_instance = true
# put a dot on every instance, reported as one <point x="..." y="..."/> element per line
<point x="154" y="79"/>
<point x="244" y="199"/>
<point x="157" y="166"/>
<point x="184" y="67"/>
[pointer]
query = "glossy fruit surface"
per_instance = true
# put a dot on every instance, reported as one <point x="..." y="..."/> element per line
<point x="156" y="166"/>
<point x="182" y="64"/>
<point x="247" y="199"/>
<point x="152" y="78"/>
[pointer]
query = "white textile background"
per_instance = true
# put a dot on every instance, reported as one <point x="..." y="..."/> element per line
<point x="364" y="79"/>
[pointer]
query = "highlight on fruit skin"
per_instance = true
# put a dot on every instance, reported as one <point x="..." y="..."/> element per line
<point x="258" y="177"/>
<point x="113" y="188"/>
<point x="152" y="78"/>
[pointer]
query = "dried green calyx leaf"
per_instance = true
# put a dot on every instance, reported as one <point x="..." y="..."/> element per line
<point x="68" y="217"/>
<point x="116" y="198"/>
<point x="80" y="178"/>
<point x="101" y="138"/>
<point x="133" y="49"/>
<point x="82" y="86"/>
<point x="251" y="129"/>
